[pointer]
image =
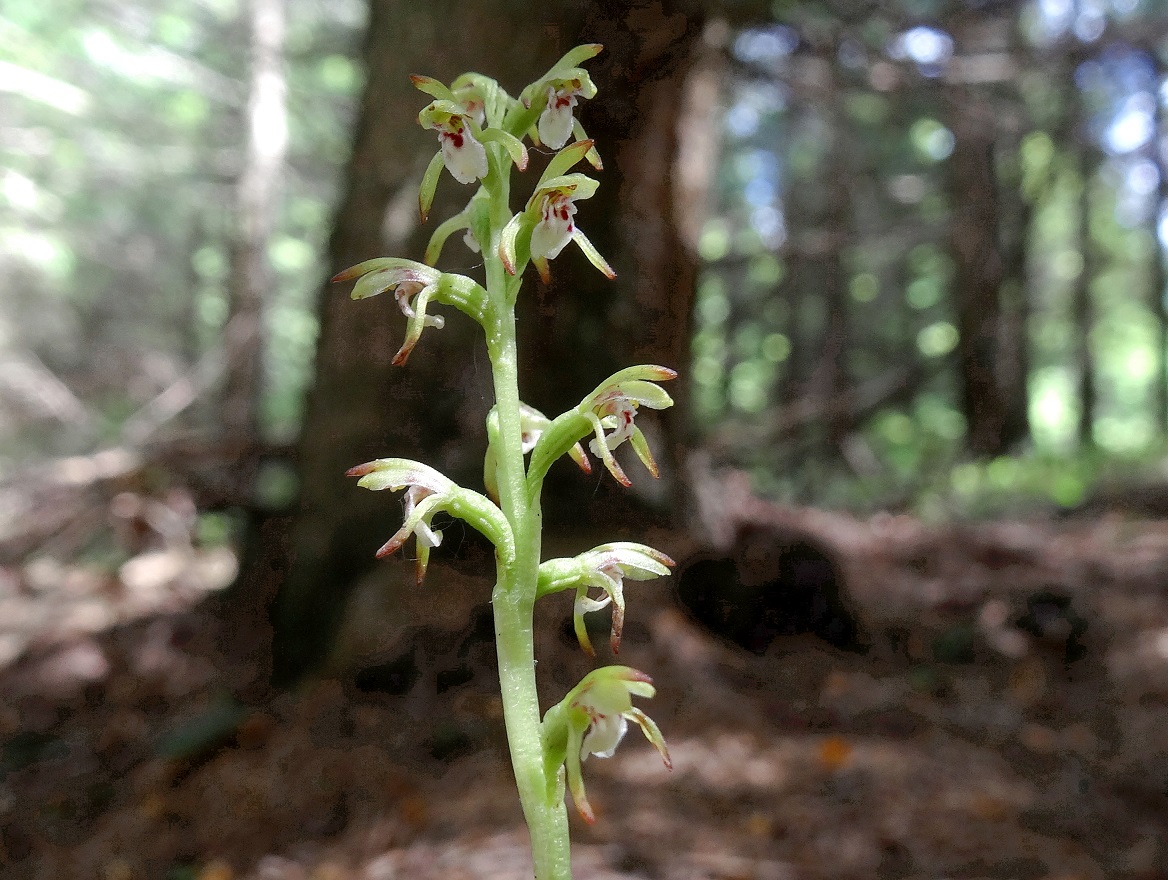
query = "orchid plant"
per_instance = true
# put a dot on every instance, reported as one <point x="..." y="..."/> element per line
<point x="481" y="131"/>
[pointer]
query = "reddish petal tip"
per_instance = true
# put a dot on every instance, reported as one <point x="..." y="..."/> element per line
<point x="390" y="546"/>
<point x="361" y="469"/>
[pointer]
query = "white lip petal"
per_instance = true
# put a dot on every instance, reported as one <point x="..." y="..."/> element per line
<point x="466" y="163"/>
<point x="555" y="124"/>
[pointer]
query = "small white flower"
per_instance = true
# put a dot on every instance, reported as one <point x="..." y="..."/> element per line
<point x="556" y="121"/>
<point x="598" y="711"/>
<point x="555" y="227"/>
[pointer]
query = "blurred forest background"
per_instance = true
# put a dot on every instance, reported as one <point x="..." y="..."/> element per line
<point x="908" y="257"/>
<point x="926" y="238"/>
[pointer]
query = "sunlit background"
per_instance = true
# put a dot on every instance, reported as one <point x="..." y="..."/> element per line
<point x="121" y="147"/>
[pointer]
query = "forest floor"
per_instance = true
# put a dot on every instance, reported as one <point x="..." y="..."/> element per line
<point x="1009" y="719"/>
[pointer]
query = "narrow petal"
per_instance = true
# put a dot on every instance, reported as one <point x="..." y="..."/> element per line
<point x="541" y="265"/>
<point x="576" y="453"/>
<point x="641" y="447"/>
<point x="591" y="156"/>
<point x="507" y="244"/>
<point x="563" y="161"/>
<point x="593" y="254"/>
<point x="652" y="733"/>
<point x="578" y="624"/>
<point x="575" y="779"/>
<point x="600" y="448"/>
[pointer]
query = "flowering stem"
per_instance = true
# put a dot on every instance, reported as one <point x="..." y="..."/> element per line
<point x="514" y="595"/>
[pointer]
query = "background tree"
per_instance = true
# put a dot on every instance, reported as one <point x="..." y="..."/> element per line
<point x="360" y="406"/>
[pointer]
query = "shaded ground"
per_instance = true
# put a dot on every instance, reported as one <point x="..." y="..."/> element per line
<point x="1009" y="719"/>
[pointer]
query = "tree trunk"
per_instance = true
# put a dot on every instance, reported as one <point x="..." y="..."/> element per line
<point x="255" y="216"/>
<point x="1014" y="342"/>
<point x="1082" y="311"/>
<point x="578" y="330"/>
<point x="645" y="315"/>
<point x="978" y="272"/>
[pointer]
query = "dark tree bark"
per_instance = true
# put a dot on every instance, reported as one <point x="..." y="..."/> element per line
<point x="977" y="271"/>
<point x="585" y="327"/>
<point x="1083" y="312"/>
<point x="1014" y="343"/>
<point x="578" y="330"/>
<point x="834" y="382"/>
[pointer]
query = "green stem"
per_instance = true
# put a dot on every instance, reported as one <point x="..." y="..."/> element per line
<point x="514" y="595"/>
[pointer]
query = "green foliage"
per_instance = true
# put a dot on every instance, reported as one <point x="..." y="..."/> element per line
<point x="121" y="147"/>
<point x="816" y="96"/>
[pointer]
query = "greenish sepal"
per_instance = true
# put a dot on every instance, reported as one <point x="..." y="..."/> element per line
<point x="647" y="372"/>
<point x="576" y="56"/>
<point x="396" y="474"/>
<point x="641" y="448"/>
<point x="510" y="143"/>
<point x="429" y="185"/>
<point x="515" y="244"/>
<point x="592" y="156"/>
<point x="444" y="230"/>
<point x="579" y="186"/>
<point x="563" y="161"/>
<point x="378" y="264"/>
<point x="554" y="740"/>
<point x="433" y="88"/>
